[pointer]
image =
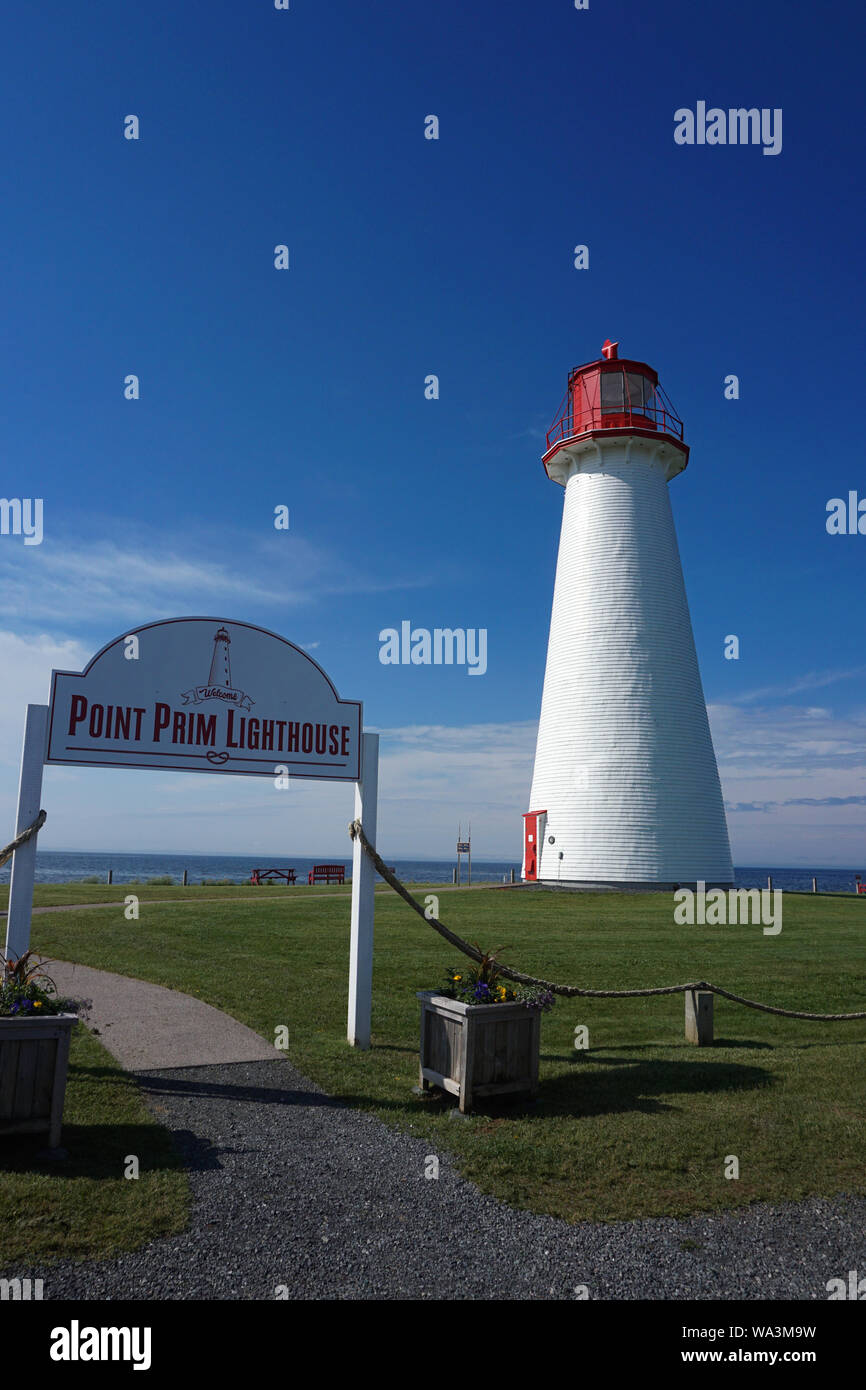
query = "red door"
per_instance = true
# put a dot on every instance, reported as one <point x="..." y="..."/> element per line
<point x="530" y="845"/>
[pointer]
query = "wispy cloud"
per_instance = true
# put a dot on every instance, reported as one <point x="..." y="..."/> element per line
<point x="765" y="806"/>
<point x="26" y="664"/>
<point x="154" y="576"/>
<point x="812" y="680"/>
<point x="786" y="740"/>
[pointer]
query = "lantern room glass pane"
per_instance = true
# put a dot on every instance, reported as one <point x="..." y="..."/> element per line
<point x="640" y="390"/>
<point x="612" y="393"/>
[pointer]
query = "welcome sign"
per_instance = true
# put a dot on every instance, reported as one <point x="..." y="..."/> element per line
<point x="204" y="695"/>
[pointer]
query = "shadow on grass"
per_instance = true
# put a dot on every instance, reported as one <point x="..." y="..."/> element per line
<point x="153" y="1085"/>
<point x="637" y="1087"/>
<point x="94" y="1151"/>
<point x="581" y="1054"/>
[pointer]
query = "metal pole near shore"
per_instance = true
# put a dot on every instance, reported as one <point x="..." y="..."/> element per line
<point x="814" y="885"/>
<point x="110" y="878"/>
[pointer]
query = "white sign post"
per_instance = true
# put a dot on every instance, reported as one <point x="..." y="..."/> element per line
<point x="24" y="859"/>
<point x="205" y="695"/>
<point x="363" y="883"/>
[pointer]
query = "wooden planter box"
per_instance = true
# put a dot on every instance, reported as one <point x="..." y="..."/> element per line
<point x="478" y="1050"/>
<point x="34" y="1060"/>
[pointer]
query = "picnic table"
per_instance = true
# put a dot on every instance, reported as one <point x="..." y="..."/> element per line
<point x="260" y="876"/>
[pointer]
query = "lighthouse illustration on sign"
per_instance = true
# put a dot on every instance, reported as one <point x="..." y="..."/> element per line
<point x="625" y="789"/>
<point x="219" y="684"/>
<point x="221" y="666"/>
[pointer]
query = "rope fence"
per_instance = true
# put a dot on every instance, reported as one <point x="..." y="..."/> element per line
<point x="575" y="991"/>
<point x="22" y="838"/>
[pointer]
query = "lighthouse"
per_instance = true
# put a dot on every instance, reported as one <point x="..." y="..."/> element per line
<point x="220" y="666"/>
<point x="625" y="789"/>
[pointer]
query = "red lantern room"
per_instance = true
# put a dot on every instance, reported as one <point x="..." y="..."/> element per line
<point x="616" y="396"/>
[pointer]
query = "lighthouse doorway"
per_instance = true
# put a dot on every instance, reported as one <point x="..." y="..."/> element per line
<point x="533" y="825"/>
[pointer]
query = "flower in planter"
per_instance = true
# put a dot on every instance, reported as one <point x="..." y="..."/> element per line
<point x="26" y="988"/>
<point x="484" y="984"/>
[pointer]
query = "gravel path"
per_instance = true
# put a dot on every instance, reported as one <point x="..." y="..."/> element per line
<point x="293" y="1189"/>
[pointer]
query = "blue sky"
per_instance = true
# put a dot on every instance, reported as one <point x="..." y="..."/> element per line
<point x="409" y="257"/>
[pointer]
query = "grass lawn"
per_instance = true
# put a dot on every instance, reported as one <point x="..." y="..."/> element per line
<point x="56" y="894"/>
<point x="639" y="1125"/>
<point x="85" y="1207"/>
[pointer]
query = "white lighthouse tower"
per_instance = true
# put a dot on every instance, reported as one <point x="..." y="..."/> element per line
<point x="625" y="790"/>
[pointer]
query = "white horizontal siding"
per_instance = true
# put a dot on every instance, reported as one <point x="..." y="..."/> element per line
<point x="624" y="764"/>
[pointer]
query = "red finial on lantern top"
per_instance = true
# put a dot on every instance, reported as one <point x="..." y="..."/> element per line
<point x="610" y="350"/>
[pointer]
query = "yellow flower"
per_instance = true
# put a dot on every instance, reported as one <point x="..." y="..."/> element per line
<point x="458" y="977"/>
<point x="37" y="1003"/>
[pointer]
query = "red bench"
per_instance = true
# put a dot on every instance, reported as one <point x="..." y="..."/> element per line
<point x="261" y="876"/>
<point x="327" y="873"/>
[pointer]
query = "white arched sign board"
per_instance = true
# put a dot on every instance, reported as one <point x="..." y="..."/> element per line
<point x="213" y="696"/>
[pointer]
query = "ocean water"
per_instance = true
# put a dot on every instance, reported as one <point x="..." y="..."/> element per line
<point x="55" y="867"/>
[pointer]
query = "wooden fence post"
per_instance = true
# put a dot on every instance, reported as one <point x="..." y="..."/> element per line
<point x="699" y="1017"/>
